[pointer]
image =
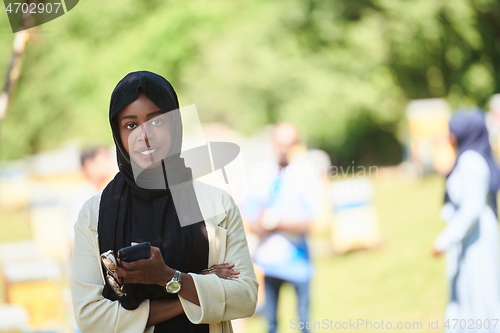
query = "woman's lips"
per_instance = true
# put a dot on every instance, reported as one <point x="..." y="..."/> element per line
<point x="142" y="149"/>
<point x="147" y="153"/>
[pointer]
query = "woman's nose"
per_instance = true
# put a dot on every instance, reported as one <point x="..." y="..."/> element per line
<point x="146" y="134"/>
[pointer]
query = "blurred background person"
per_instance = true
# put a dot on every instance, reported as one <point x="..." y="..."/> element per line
<point x="280" y="209"/>
<point x="98" y="168"/>
<point x="470" y="238"/>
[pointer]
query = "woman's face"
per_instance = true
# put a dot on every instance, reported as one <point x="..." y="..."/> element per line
<point x="145" y="132"/>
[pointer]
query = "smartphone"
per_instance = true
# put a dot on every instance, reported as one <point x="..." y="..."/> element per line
<point x="135" y="252"/>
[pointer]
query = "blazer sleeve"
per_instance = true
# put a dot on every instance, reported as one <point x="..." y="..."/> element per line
<point x="93" y="312"/>
<point x="474" y="177"/>
<point x="221" y="299"/>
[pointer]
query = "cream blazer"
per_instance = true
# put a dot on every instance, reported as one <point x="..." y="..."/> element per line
<point x="221" y="300"/>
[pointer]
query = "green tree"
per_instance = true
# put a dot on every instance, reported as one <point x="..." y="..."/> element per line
<point x="342" y="70"/>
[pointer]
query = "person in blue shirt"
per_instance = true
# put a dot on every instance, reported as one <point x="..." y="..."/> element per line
<point x="280" y="210"/>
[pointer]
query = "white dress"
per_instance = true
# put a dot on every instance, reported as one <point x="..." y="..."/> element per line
<point x="471" y="242"/>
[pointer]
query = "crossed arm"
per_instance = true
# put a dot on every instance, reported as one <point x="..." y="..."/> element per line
<point x="155" y="271"/>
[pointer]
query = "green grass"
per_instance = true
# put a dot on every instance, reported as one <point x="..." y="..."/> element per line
<point x="399" y="281"/>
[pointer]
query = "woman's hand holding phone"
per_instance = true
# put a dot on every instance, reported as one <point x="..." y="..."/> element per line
<point x="155" y="271"/>
<point x="145" y="271"/>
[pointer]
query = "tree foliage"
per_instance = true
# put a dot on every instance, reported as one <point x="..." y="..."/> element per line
<point x="341" y="70"/>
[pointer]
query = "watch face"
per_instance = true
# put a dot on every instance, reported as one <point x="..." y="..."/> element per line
<point x="173" y="287"/>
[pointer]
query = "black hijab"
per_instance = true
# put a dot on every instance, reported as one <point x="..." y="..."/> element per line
<point x="472" y="134"/>
<point x="128" y="211"/>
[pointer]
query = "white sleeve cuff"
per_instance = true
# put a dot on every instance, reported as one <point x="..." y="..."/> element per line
<point x="212" y="300"/>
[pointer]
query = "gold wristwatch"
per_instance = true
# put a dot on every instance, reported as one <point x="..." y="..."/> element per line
<point x="174" y="285"/>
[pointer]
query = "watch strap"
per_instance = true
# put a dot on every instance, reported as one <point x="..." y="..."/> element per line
<point x="177" y="276"/>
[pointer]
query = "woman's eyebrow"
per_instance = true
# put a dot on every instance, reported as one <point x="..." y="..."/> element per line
<point x="155" y="113"/>
<point x="148" y="115"/>
<point x="125" y="117"/>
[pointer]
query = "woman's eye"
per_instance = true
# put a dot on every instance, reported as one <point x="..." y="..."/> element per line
<point x="156" y="122"/>
<point x="130" y="126"/>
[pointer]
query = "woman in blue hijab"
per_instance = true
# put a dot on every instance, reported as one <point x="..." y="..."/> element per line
<point x="470" y="238"/>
